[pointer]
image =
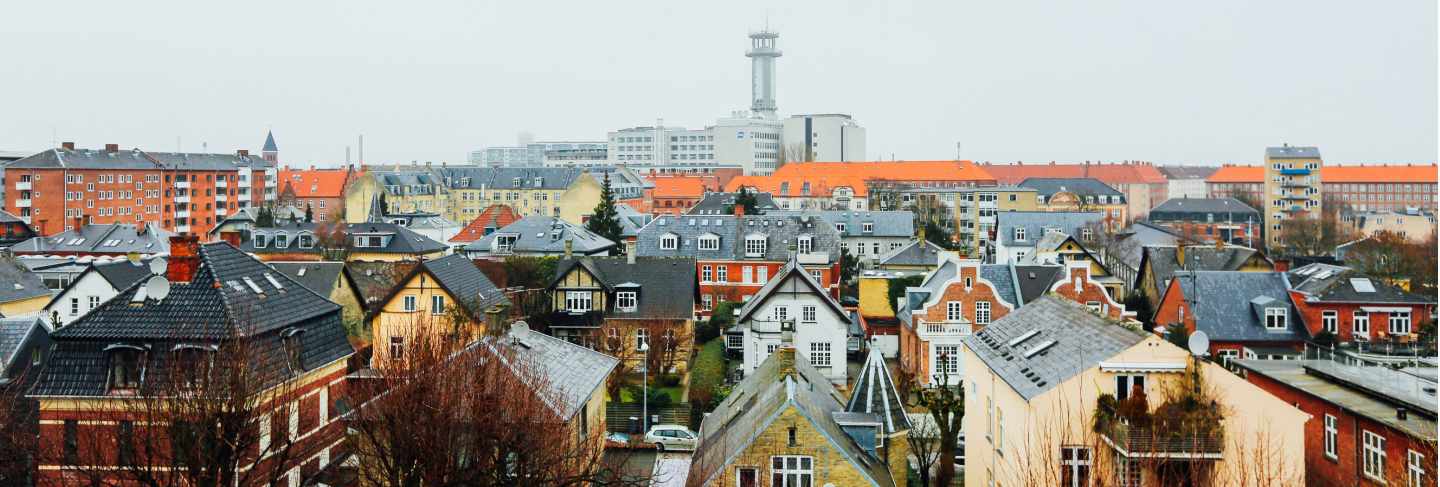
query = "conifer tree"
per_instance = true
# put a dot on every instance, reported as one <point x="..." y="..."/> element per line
<point x="605" y="221"/>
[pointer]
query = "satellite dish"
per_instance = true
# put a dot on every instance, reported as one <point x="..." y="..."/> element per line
<point x="157" y="266"/>
<point x="157" y="288"/>
<point x="1199" y="343"/>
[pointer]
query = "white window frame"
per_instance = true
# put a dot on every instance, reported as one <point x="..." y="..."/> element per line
<point x="1019" y="233"/>
<point x="409" y="304"/>
<point x="1360" y="326"/>
<point x="954" y="310"/>
<point x="1373" y="464"/>
<point x="707" y="303"/>
<point x="755" y="246"/>
<point x="1399" y="322"/>
<point x="1415" y="468"/>
<point x="642" y="336"/>
<point x="1330" y="321"/>
<point x="705" y="273"/>
<point x="780" y="312"/>
<point x="820" y="354"/>
<point x="1075" y="465"/>
<point x="1332" y="436"/>
<point x="575" y="299"/>
<point x="747" y="274"/>
<point x="75" y="306"/>
<point x="437" y="304"/>
<point x="1277" y="319"/>
<point x="982" y="312"/>
<point x="722" y="273"/>
<point x="1129" y="384"/>
<point x="709" y="242"/>
<point x="808" y="313"/>
<point x="949" y="364"/>
<point x="792" y="476"/>
<point x="805" y="244"/>
<point x="669" y="242"/>
<point x="627" y="301"/>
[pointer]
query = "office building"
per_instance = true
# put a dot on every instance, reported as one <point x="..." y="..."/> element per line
<point x="823" y="137"/>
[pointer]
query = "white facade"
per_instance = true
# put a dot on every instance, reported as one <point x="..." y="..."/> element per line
<point x="829" y="137"/>
<point x="820" y="332"/>
<point x="85" y="294"/>
<point x="739" y="140"/>
<point x="528" y="155"/>
<point x="1185" y="188"/>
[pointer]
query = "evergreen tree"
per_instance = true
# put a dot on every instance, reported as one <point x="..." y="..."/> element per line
<point x="605" y="221"/>
<point x="747" y="200"/>
<point x="264" y="218"/>
<point x="309" y="214"/>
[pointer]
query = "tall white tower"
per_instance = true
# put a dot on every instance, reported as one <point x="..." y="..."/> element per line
<point x="762" y="56"/>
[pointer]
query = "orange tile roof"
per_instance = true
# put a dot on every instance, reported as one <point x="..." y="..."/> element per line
<point x="683" y="186"/>
<point x="1388" y="173"/>
<point x="494" y="217"/>
<point x="316" y="183"/>
<point x="894" y="170"/>
<point x="1109" y="173"/>
<point x="791" y="186"/>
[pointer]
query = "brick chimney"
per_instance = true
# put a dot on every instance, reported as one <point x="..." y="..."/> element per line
<point x="739" y="209"/>
<point x="112" y="148"/>
<point x="78" y="221"/>
<point x="1282" y="265"/>
<point x="184" y="258"/>
<point x="67" y="145"/>
<point x="231" y="237"/>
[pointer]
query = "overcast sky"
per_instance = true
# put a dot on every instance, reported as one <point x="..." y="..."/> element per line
<point x="1191" y="82"/>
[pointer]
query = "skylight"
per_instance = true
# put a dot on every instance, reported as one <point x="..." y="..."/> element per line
<point x="1362" y="285"/>
<point x="1323" y="274"/>
<point x="273" y="281"/>
<point x="1021" y="339"/>
<point x="253" y="287"/>
<point x="1039" y="348"/>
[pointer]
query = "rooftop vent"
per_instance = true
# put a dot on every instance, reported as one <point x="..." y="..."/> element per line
<point x="1039" y="348"/>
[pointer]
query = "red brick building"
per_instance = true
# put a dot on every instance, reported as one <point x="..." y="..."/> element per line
<point x="1379" y="187"/>
<point x="1247" y="314"/>
<point x="321" y="190"/>
<point x="180" y="192"/>
<point x="1370" y="425"/>
<point x="1208" y="220"/>
<point x="98" y="419"/>
<point x="1142" y="183"/>
<point x="675" y="194"/>
<point x="1353" y="307"/>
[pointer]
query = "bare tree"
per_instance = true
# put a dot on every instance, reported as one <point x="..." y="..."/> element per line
<point x="924" y="442"/>
<point x="946" y="406"/>
<point x="18" y="434"/>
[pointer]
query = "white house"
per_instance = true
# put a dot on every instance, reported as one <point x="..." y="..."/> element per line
<point x="793" y="308"/>
<point x="95" y="285"/>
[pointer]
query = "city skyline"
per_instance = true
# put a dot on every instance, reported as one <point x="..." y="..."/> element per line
<point x="1111" y="81"/>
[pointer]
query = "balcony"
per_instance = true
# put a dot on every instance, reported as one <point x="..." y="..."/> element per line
<point x="22" y="203"/>
<point x="23" y="185"/>
<point x="182" y="213"/>
<point x="182" y="184"/>
<point x="1295" y="172"/>
<point x="221" y="197"/>
<point x="943" y="328"/>
<point x="1137" y="442"/>
<point x="182" y="228"/>
<point x="182" y="199"/>
<point x="987" y="220"/>
<point x="1300" y="197"/>
<point x="219" y="212"/>
<point x="221" y="183"/>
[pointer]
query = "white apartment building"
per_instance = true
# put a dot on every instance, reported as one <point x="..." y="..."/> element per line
<point x="829" y="137"/>
<point x="739" y="140"/>
<point x="528" y="155"/>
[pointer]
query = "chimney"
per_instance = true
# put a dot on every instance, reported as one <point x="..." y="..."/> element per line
<point x="630" y="252"/>
<point x="184" y="258"/>
<point x="1401" y="413"/>
<point x="67" y="145"/>
<point x="231" y="237"/>
<point x="78" y="221"/>
<point x="786" y="355"/>
<point x="569" y="248"/>
<point x="739" y="209"/>
<point x="112" y="148"/>
<point x="1282" y="265"/>
<point x="242" y="152"/>
<point x="494" y="316"/>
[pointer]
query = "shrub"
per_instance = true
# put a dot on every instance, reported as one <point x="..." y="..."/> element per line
<point x="669" y="380"/>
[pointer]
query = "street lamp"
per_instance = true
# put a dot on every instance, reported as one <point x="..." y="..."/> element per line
<point x="645" y="388"/>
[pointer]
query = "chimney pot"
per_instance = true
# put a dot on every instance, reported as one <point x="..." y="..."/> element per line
<point x="569" y="248"/>
<point x="242" y="152"/>
<point x="67" y="145"/>
<point x="630" y="251"/>
<point x="112" y="148"/>
<point x="1401" y="413"/>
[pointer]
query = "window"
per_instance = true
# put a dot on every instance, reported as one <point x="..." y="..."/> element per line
<point x="397" y="348"/>
<point x="734" y="341"/>
<point x="747" y="274"/>
<point x="791" y="471"/>
<point x="1330" y="321"/>
<point x="1226" y="355"/>
<point x="781" y="313"/>
<point x="258" y="241"/>
<point x="762" y="274"/>
<point x="947" y="360"/>
<point x="669" y="242"/>
<point x="805" y="244"/>
<point x="1019" y="233"/>
<point x="807" y="313"/>
<point x="1275" y="318"/>
<point x="126" y="367"/>
<point x="625" y="300"/>
<point x="408" y="304"/>
<point x="1331" y="435"/>
<point x="982" y="313"/>
<point x="1361" y="323"/>
<point x="1074" y="466"/>
<point x="74" y="306"/>
<point x="577" y="301"/>
<point x="1127" y="384"/>
<point x="1415" y="468"/>
<point x="72" y="442"/>
<point x="706" y="302"/>
<point x="754" y="246"/>
<point x="282" y="240"/>
<point x="746" y="477"/>
<point x="1094" y="306"/>
<point x="642" y="337"/>
<point x="954" y="311"/>
<point x="437" y="304"/>
<point x="867" y="227"/>
<point x="820" y="354"/>
<point x="1400" y="323"/>
<point x="1087" y="234"/>
<point x="709" y="242"/>
<point x="1127" y="472"/>
<point x="1374" y="456"/>
<point x="306" y="240"/>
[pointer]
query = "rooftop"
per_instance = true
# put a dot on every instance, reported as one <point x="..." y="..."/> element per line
<point x="1369" y="391"/>
<point x="1044" y="343"/>
<point x="1110" y="173"/>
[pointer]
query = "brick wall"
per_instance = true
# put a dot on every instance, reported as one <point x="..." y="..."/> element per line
<point x="1314" y="313"/>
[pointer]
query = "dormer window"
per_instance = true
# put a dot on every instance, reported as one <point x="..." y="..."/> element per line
<point x="306" y="240"/>
<point x="1276" y="318"/>
<point x="867" y="227"/>
<point x="127" y="368"/>
<point x="194" y="363"/>
<point x="755" y="246"/>
<point x="282" y="240"/>
<point x="626" y="301"/>
<point x="1019" y="233"/>
<point x="1087" y="234"/>
<point x="292" y="338"/>
<point x="505" y="243"/>
<point x="669" y="242"/>
<point x="805" y="244"/>
<point x="840" y="227"/>
<point x="709" y="242"/>
<point x="259" y="240"/>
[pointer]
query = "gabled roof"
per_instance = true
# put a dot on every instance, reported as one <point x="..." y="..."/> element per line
<point x="683" y="186"/>
<point x="1110" y="173"/>
<point x="1130" y="243"/>
<point x="915" y="253"/>
<point x="1035" y="223"/>
<point x="545" y="234"/>
<point x="1048" y="187"/>
<point x="1229" y="305"/>
<point x="779" y="231"/>
<point x="493" y="217"/>
<point x="1035" y="280"/>
<point x="1164" y="260"/>
<point x="666" y="284"/>
<point x="571" y="372"/>
<point x="374" y="280"/>
<point x="316" y="183"/>
<point x="319" y="277"/>
<point x="405" y="241"/>
<point x="790" y="269"/>
<point x="1223" y="209"/>
<point x="1332" y="283"/>
<point x="822" y="178"/>
<point x="1078" y="340"/>
<point x="463" y="281"/>
<point x="875" y="393"/>
<point x="121" y="274"/>
<point x="757" y="401"/>
<point x="883" y="223"/>
<point x="219" y="303"/>
<point x="13" y="333"/>
<point x="18" y="283"/>
<point x="722" y="203"/>
<point x="95" y="238"/>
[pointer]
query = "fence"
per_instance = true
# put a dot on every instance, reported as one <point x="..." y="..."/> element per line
<point x="617" y="416"/>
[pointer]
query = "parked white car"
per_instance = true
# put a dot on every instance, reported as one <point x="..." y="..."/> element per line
<point x="671" y="437"/>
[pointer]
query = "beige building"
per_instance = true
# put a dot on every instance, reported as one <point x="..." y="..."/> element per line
<point x="1035" y="379"/>
<point x="431" y="299"/>
<point x="1415" y="226"/>
<point x="463" y="193"/>
<point x="976" y="210"/>
<point x="1292" y="187"/>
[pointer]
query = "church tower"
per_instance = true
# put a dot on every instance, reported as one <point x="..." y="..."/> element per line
<point x="270" y="152"/>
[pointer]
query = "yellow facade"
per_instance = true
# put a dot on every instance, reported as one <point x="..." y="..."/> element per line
<point x="1292" y="190"/>
<point x="580" y="199"/>
<point x="831" y="467"/>
<point x="356" y="256"/>
<point x="358" y="196"/>
<point x="622" y="332"/>
<point x="396" y="324"/>
<point x="875" y="297"/>
<point x="571" y="204"/>
<point x="1012" y="441"/>
<point x="24" y="306"/>
<point x="975" y="208"/>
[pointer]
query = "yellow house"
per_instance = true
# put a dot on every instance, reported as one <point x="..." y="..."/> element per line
<point x="463" y="193"/>
<point x="1035" y="379"/>
<point x="21" y="292"/>
<point x="437" y="296"/>
<point x="1158" y="264"/>
<point x="784" y="420"/>
<point x="1080" y="194"/>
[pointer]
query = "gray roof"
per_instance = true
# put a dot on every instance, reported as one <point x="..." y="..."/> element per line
<point x="219" y="303"/>
<point x="405" y="240"/>
<point x="465" y="283"/>
<point x="13" y="332"/>
<point x="121" y="274"/>
<point x="631" y="221"/>
<point x="1035" y="223"/>
<point x="885" y="223"/>
<point x="549" y="178"/>
<point x="1372" y="392"/>
<point x="915" y="253"/>
<point x="1035" y="280"/>
<point x="666" y="285"/>
<point x="722" y="203"/>
<point x="136" y="159"/>
<point x="319" y="277"/>
<point x="1229" y="305"/>
<point x="791" y="268"/>
<point x="1164" y="260"/>
<point x="270" y="142"/>
<point x="780" y="232"/>
<point x="1047" y="187"/>
<point x="932" y="288"/>
<point x="1001" y="275"/>
<point x="1130" y="243"/>
<point x="291" y="229"/>
<point x="1291" y="152"/>
<point x="545" y="234"/>
<point x="374" y="280"/>
<point x="1187" y="172"/>
<point x="109" y="238"/>
<point x="758" y="401"/>
<point x="7" y="217"/>
<point x="1081" y="340"/>
<point x="875" y="393"/>
<point x="571" y="372"/>
<point x="18" y="283"/>
<point x="1228" y="207"/>
<point x="1332" y="283"/>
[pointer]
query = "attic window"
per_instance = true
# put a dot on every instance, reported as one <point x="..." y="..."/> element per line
<point x="282" y="240"/>
<point x="867" y="227"/>
<point x="1019" y="233"/>
<point x="755" y="246"/>
<point x="258" y="241"/>
<point x="1039" y="348"/>
<point x="273" y="281"/>
<point x="253" y="287"/>
<point x="194" y="362"/>
<point x="709" y="242"/>
<point x="1362" y="285"/>
<point x="1275" y="318"/>
<point x="626" y="301"/>
<point x="305" y="240"/>
<point x="669" y="242"/>
<point x="127" y="367"/>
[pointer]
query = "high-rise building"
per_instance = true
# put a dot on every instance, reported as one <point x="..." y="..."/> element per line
<point x="1292" y="187"/>
<point x="829" y="137"/>
<point x="739" y="140"/>
<point x="762" y="56"/>
<point x="527" y="155"/>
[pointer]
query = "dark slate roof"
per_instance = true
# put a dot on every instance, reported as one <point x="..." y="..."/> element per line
<point x="269" y="142"/>
<point x="886" y="223"/>
<point x="464" y="282"/>
<point x="1001" y="275"/>
<point x="1035" y="223"/>
<point x="1332" y="283"/>
<point x="1047" y="187"/>
<point x="1223" y="209"/>
<point x="1372" y="392"/>
<point x="1187" y="172"/>
<point x="1081" y="341"/>
<point x="780" y="232"/>
<point x="1130" y="242"/>
<point x="405" y="240"/>
<point x="757" y="401"/>
<point x="550" y="178"/>
<point x="721" y="203"/>
<point x="544" y="234"/>
<point x="85" y="159"/>
<point x="374" y="280"/>
<point x="915" y="253"/>
<point x="13" y="331"/>
<point x="1291" y="152"/>
<point x="631" y="221"/>
<point x="1229" y="305"/>
<point x="666" y="284"/>
<point x="1035" y="280"/>
<point x="292" y="230"/>
<point x="319" y="277"/>
<point x="570" y="371"/>
<point x="121" y="274"/>
<point x="875" y="393"/>
<point x="109" y="238"/>
<point x="1164" y="261"/>
<point x="7" y="217"/>
<point x="217" y="304"/>
<point x="18" y="283"/>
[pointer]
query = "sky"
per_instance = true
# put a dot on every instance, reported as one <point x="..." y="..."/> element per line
<point x="1168" y="82"/>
